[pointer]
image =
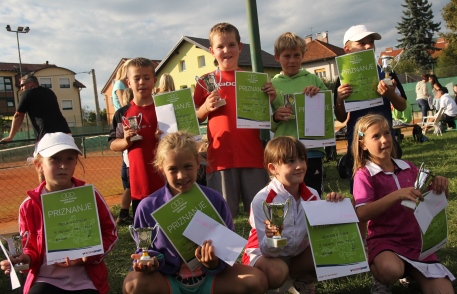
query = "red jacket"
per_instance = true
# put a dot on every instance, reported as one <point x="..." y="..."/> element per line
<point x="31" y="220"/>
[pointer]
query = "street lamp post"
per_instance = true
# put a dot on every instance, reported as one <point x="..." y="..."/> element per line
<point x="21" y="30"/>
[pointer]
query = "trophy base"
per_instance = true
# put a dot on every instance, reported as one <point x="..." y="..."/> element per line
<point x="220" y="102"/>
<point x="292" y="116"/>
<point x="276" y="242"/>
<point x="388" y="82"/>
<point x="410" y="204"/>
<point x="21" y="267"/>
<point x="145" y="260"/>
<point x="136" y="138"/>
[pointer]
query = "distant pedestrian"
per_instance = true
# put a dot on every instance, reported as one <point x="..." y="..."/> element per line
<point x="422" y="96"/>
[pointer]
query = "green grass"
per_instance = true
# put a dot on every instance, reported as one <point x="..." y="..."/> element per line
<point x="439" y="155"/>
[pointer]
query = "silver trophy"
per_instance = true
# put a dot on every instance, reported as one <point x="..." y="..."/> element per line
<point x="276" y="213"/>
<point x="289" y="101"/>
<point x="387" y="67"/>
<point x="143" y="239"/>
<point x="15" y="248"/>
<point x="211" y="85"/>
<point x="422" y="183"/>
<point x="134" y="125"/>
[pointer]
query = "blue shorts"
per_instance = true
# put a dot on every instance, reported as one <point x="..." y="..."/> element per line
<point x="202" y="284"/>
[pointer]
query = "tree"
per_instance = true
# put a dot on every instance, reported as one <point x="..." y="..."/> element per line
<point x="417" y="28"/>
<point x="449" y="55"/>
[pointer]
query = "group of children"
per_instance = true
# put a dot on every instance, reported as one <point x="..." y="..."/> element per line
<point x="238" y="166"/>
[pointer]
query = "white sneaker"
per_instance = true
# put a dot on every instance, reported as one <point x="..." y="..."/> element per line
<point x="378" y="288"/>
<point x="300" y="287"/>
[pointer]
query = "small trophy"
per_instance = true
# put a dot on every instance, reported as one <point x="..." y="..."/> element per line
<point x="135" y="125"/>
<point x="211" y="85"/>
<point x="143" y="240"/>
<point x="289" y="101"/>
<point x="15" y="249"/>
<point x="387" y="61"/>
<point x="276" y="213"/>
<point x="423" y="180"/>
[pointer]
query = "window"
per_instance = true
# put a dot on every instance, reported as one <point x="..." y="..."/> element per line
<point x="64" y="83"/>
<point x="46" y="83"/>
<point x="320" y="73"/>
<point x="67" y="105"/>
<point x="201" y="61"/>
<point x="182" y="65"/>
<point x="6" y="96"/>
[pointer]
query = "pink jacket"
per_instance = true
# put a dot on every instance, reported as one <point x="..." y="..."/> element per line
<point x="31" y="220"/>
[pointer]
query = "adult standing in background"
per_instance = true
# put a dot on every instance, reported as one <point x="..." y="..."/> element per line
<point x="166" y="84"/>
<point x="436" y="86"/>
<point x="42" y="107"/>
<point x="120" y="84"/>
<point x="119" y="87"/>
<point x="422" y="96"/>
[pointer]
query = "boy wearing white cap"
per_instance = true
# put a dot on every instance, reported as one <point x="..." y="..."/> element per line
<point x="358" y="38"/>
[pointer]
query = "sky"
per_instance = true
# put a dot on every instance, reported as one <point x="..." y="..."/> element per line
<point x="81" y="35"/>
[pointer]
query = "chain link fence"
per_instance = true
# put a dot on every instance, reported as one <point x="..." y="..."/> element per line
<point x="98" y="166"/>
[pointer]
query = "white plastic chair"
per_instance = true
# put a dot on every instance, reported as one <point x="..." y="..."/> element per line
<point x="433" y="121"/>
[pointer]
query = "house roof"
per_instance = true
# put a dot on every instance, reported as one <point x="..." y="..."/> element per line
<point x="155" y="62"/>
<point x="31" y="68"/>
<point x="268" y="60"/>
<point x="317" y="50"/>
<point x="440" y="43"/>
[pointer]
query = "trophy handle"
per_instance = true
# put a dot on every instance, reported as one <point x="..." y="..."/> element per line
<point x="26" y="233"/>
<point x="197" y="79"/>
<point x="131" y="231"/>
<point x="265" y="208"/>
<point x="124" y="121"/>
<point x="140" y="115"/>
<point x="288" y="206"/>
<point x="218" y="71"/>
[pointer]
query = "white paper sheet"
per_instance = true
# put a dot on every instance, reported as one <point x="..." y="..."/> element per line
<point x="322" y="212"/>
<point x="429" y="208"/>
<point x="227" y="244"/>
<point x="13" y="275"/>
<point x="166" y="119"/>
<point x="315" y="115"/>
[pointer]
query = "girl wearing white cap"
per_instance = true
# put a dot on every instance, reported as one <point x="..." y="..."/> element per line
<point x="56" y="156"/>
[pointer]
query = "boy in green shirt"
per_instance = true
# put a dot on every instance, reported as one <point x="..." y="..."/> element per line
<point x="289" y="50"/>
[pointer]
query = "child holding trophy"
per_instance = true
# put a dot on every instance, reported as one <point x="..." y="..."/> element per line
<point x="134" y="129"/>
<point x="56" y="156"/>
<point x="177" y="159"/>
<point x="290" y="259"/>
<point x="381" y="183"/>
<point x="234" y="166"/>
<point x="289" y="50"/>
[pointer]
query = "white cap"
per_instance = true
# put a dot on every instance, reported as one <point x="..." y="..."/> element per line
<point x="53" y="143"/>
<point x="357" y="33"/>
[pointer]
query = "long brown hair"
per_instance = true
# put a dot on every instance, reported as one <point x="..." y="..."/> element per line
<point x="362" y="156"/>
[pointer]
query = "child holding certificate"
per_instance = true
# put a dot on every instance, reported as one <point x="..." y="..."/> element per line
<point x="234" y="165"/>
<point x="289" y="50"/>
<point x="381" y="183"/>
<point x="56" y="156"/>
<point x="177" y="159"/>
<point x="285" y="159"/>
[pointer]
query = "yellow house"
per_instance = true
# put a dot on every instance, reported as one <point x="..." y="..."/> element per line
<point x="60" y="80"/>
<point x="190" y="57"/>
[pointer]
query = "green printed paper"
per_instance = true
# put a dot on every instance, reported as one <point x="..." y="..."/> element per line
<point x="436" y="235"/>
<point x="183" y="104"/>
<point x="252" y="104"/>
<point x="359" y="69"/>
<point x="174" y="216"/>
<point x="337" y="250"/>
<point x="71" y="222"/>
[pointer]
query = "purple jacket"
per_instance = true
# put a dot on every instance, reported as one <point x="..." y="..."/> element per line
<point x="171" y="262"/>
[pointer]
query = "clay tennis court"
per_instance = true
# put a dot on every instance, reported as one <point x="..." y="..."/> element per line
<point x="103" y="171"/>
